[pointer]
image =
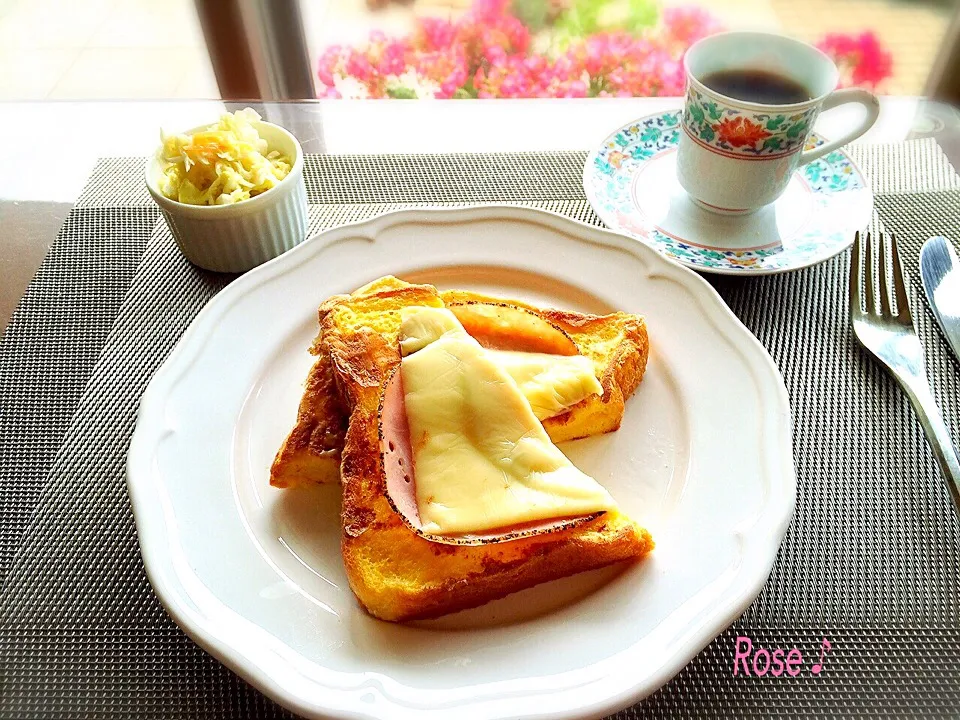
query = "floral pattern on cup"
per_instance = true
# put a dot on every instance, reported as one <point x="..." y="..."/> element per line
<point x="731" y="130"/>
<point x="608" y="177"/>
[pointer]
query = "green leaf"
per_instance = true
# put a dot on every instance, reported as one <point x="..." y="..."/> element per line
<point x="670" y="119"/>
<point x="621" y="140"/>
<point x="696" y="112"/>
<point x="641" y="154"/>
<point x="597" y="85"/>
<point x="650" y="134"/>
<point x="715" y="112"/>
<point x="467" y="91"/>
<point x="402" y="93"/>
<point x="796" y="130"/>
<point x="581" y="18"/>
<point x="643" y="14"/>
<point x="707" y="133"/>
<point x="773" y="143"/>
<point x="775" y="122"/>
<point x="535" y="14"/>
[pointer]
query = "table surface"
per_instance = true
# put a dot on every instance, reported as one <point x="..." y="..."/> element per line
<point x="845" y="571"/>
<point x="58" y="144"/>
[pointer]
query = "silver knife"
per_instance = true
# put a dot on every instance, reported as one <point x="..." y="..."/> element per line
<point x="940" y="272"/>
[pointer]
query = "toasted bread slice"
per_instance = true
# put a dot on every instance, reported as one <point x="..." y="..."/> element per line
<point x="311" y="452"/>
<point x="615" y="343"/>
<point x="396" y="573"/>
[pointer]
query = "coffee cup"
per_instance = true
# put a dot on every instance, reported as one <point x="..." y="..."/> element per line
<point x="751" y="103"/>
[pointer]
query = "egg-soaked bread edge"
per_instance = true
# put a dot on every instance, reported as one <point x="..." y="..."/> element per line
<point x="396" y="574"/>
<point x="616" y="343"/>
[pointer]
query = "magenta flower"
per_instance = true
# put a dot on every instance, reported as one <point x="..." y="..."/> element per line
<point x="860" y="58"/>
<point x="487" y="53"/>
<point x="685" y="25"/>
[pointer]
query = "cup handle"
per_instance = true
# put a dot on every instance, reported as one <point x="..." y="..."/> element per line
<point x="841" y="97"/>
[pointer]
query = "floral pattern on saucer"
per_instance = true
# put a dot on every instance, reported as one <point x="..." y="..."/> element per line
<point x="610" y="170"/>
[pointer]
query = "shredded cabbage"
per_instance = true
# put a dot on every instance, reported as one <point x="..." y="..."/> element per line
<point x="227" y="163"/>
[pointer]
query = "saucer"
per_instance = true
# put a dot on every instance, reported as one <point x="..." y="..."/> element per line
<point x="631" y="182"/>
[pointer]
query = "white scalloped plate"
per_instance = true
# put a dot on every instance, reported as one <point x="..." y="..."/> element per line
<point x="254" y="574"/>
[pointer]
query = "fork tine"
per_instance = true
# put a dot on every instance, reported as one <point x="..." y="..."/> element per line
<point x="885" y="308"/>
<point x="869" y="287"/>
<point x="855" y="276"/>
<point x="899" y="284"/>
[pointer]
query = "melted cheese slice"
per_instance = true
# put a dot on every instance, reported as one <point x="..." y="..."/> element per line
<point x="551" y="383"/>
<point x="482" y="459"/>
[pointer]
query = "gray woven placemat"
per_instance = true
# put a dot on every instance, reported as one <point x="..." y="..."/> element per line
<point x="872" y="560"/>
<point x="51" y="345"/>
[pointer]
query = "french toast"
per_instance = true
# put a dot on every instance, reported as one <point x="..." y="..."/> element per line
<point x="311" y="452"/>
<point x="615" y="343"/>
<point x="397" y="572"/>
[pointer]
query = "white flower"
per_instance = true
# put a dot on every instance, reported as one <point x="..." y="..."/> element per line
<point x="422" y="88"/>
<point x="350" y="88"/>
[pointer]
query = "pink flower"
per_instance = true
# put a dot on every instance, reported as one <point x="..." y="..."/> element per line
<point x="448" y="70"/>
<point x="392" y="58"/>
<point x="487" y="53"/>
<point x="434" y="34"/>
<point x="359" y="66"/>
<point x="861" y="58"/>
<point x="327" y="65"/>
<point x="686" y="25"/>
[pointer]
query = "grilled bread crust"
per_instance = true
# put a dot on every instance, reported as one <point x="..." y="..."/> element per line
<point x="616" y="343"/>
<point x="395" y="573"/>
<point x="311" y="452"/>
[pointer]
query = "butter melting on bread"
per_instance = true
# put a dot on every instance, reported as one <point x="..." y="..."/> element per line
<point x="396" y="571"/>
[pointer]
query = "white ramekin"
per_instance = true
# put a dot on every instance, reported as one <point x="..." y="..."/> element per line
<point x="238" y="237"/>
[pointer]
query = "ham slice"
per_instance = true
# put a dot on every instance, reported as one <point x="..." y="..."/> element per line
<point x="397" y="454"/>
<point x="507" y="327"/>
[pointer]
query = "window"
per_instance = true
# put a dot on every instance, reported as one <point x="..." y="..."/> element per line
<point x="596" y="48"/>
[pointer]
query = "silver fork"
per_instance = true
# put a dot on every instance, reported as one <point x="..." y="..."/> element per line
<point x="891" y="338"/>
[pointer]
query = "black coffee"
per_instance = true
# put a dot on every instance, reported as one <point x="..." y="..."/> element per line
<point x="758" y="86"/>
